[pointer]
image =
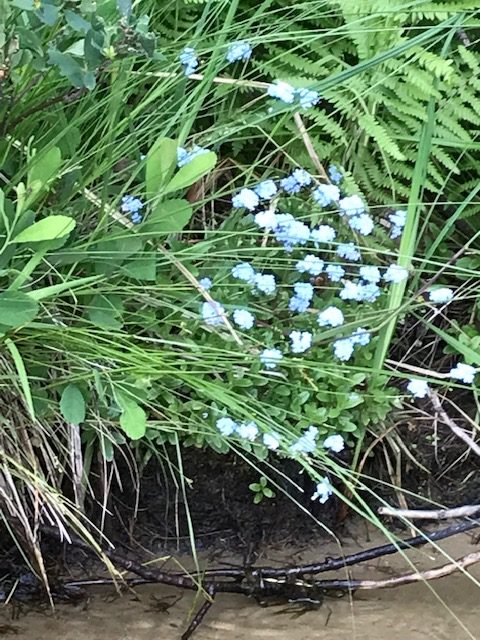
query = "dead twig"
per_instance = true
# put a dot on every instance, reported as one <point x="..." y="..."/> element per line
<point x="431" y="514"/>
<point x="445" y="418"/>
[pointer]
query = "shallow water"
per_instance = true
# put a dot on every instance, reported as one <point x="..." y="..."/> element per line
<point x="411" y="612"/>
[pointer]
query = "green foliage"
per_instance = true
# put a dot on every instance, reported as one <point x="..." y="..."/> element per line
<point x="261" y="490"/>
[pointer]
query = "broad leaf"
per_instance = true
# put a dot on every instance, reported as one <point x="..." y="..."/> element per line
<point x="72" y="404"/>
<point x="133" y="419"/>
<point x="142" y="267"/>
<point x="45" y="166"/>
<point x="169" y="216"/>
<point x="16" y="308"/>
<point x="50" y="228"/>
<point x="161" y="160"/>
<point x="191" y="172"/>
<point x="67" y="66"/>
<point x="105" y="311"/>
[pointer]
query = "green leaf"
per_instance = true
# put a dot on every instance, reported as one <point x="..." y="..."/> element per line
<point x="76" y="22"/>
<point x="44" y="166"/>
<point x="133" y="419"/>
<point x="68" y="67"/>
<point x="72" y="404"/>
<point x="105" y="311"/>
<point x="142" y="267"/>
<point x="24" y="5"/>
<point x="50" y="228"/>
<point x="169" y="216"/>
<point x="16" y="308"/>
<point x="161" y="160"/>
<point x="191" y="172"/>
<point x="22" y="375"/>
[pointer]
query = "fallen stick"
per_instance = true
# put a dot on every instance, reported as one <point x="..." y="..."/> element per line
<point x="431" y="514"/>
<point x="445" y="418"/>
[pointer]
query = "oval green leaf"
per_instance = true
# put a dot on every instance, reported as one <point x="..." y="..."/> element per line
<point x="50" y="228"/>
<point x="191" y="172"/>
<point x="72" y="404"/>
<point x="133" y="419"/>
<point x="16" y="308"/>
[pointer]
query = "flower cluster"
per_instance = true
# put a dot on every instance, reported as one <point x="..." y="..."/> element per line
<point x="283" y="91"/>
<point x="189" y="60"/>
<point x="184" y="156"/>
<point x="133" y="206"/>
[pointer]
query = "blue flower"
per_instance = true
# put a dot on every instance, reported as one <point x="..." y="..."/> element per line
<point x="240" y="50"/>
<point x="463" y="372"/>
<point x="334" y="174"/>
<point x="310" y="264"/>
<point x="370" y="274"/>
<point x="291" y="232"/>
<point x="205" y="283"/>
<point x="266" y="190"/>
<point x="301" y="341"/>
<point x="348" y="251"/>
<point x="136" y="218"/>
<point x="418" y="388"/>
<point x="352" y="206"/>
<point x="244" y="319"/>
<point x="361" y="337"/>
<point x="343" y="349"/>
<point x="398" y="220"/>
<point x="442" y="295"/>
<point x="306" y="443"/>
<point x="282" y="91"/>
<point x="189" y="60"/>
<point x="244" y="271"/>
<point x="131" y="205"/>
<point x="330" y="317"/>
<point x="323" y="491"/>
<point x="369" y="292"/>
<point x="270" y="358"/>
<point x="324" y="233"/>
<point x="363" y="224"/>
<point x="184" y="156"/>
<point x="307" y="98"/>
<point x="326" y="194"/>
<point x="300" y="305"/>
<point x="212" y="313"/>
<point x="265" y="283"/>
<point x="266" y="219"/>
<point x="351" y="291"/>
<point x="334" y="443"/>
<point x="247" y="430"/>
<point x="303" y="290"/>
<point x="246" y="198"/>
<point x="395" y="274"/>
<point x="226" y="426"/>
<point x="335" y="272"/>
<point x="298" y="179"/>
<point x="271" y="440"/>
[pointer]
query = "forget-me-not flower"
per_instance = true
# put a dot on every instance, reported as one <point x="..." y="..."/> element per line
<point x="302" y="298"/>
<point x="418" y="388"/>
<point x="335" y="272"/>
<point x="352" y="206"/>
<point x="297" y="304"/>
<point x="244" y="319"/>
<point x="310" y="264"/>
<point x="330" y="317"/>
<point x="398" y="220"/>
<point x="240" y="50"/>
<point x="266" y="219"/>
<point x="370" y="273"/>
<point x="266" y="190"/>
<point x="247" y="430"/>
<point x="363" y="224"/>
<point x="324" y="233"/>
<point x="206" y="283"/>
<point x="307" y="442"/>
<point x="351" y="291"/>
<point x="463" y="372"/>
<point x="343" y="349"/>
<point x="226" y="426"/>
<point x="442" y="295"/>
<point x="265" y="283"/>
<point x="301" y="341"/>
<point x="189" y="60"/>
<point x="293" y="183"/>
<point x="361" y="337"/>
<point x="133" y="206"/>
<point x="307" y="97"/>
<point x="184" y="156"/>
<point x="334" y="443"/>
<point x="395" y="274"/>
<point x="244" y="271"/>
<point x="291" y="232"/>
<point x="348" y="251"/>
<point x="334" y="174"/>
<point x="246" y="199"/>
<point x="326" y="194"/>
<point x="271" y="358"/>
<point x="282" y="91"/>
<point x="323" y="491"/>
<point x="212" y="313"/>
<point x="271" y="440"/>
